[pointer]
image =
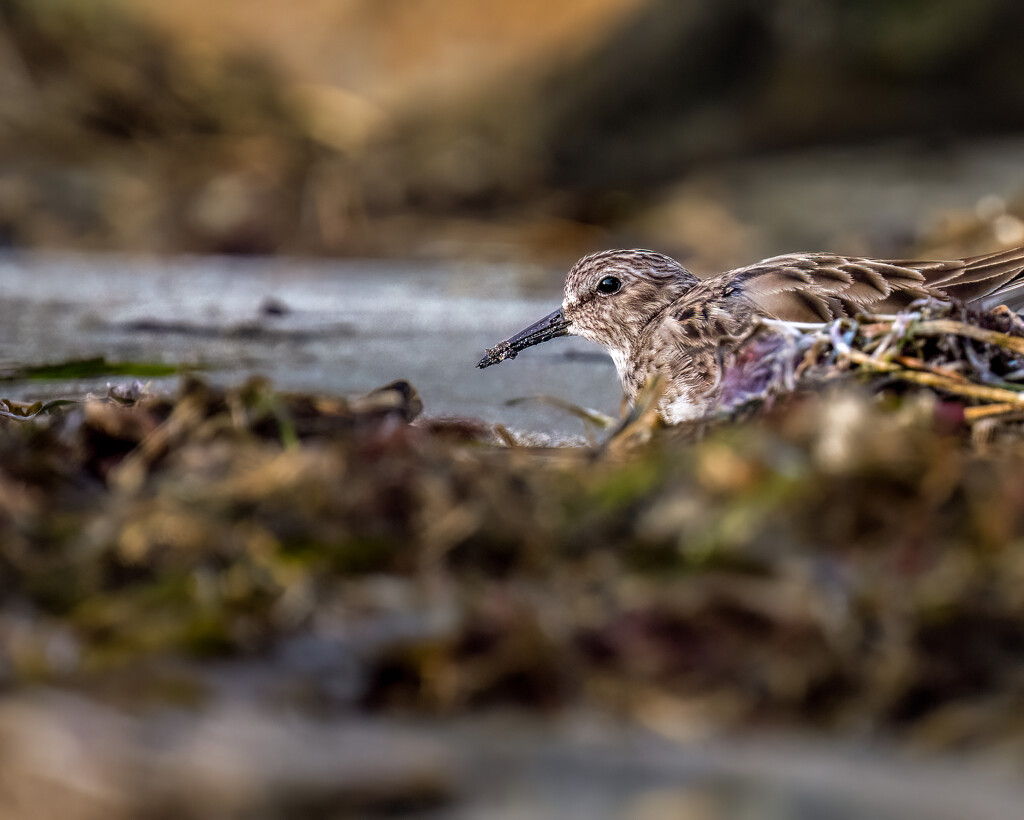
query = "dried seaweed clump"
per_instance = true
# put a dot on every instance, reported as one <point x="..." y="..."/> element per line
<point x="840" y="562"/>
<point x="974" y="355"/>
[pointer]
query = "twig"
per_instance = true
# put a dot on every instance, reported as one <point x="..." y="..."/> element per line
<point x="942" y="327"/>
<point x="595" y="417"/>
<point x="984" y="411"/>
<point x="974" y="391"/>
<point x="917" y="364"/>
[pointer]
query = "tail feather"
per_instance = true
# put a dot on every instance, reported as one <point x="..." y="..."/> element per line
<point x="988" y="279"/>
<point x="1000" y="276"/>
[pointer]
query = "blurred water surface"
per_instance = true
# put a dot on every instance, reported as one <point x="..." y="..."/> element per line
<point x="324" y="327"/>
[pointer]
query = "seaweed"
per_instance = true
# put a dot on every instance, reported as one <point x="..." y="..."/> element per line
<point x="842" y="553"/>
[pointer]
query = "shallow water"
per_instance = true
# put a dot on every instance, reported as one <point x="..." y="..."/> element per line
<point x="347" y="328"/>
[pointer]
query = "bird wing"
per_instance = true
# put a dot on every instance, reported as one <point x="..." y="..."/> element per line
<point x="990" y="279"/>
<point x="814" y="287"/>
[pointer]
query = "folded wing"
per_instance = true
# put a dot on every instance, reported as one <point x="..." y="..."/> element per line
<point x="817" y="287"/>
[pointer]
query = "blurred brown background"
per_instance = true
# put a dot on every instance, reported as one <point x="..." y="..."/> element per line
<point x="714" y="131"/>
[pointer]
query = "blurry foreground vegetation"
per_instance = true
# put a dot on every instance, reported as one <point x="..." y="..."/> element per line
<point x="230" y="600"/>
<point x="839" y="562"/>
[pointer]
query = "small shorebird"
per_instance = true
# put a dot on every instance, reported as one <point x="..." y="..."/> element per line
<point x="656" y="318"/>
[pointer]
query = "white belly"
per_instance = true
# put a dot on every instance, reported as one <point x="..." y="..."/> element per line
<point x="673" y="410"/>
<point x="681" y="409"/>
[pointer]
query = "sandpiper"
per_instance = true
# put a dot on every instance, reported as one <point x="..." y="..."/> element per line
<point x="656" y="318"/>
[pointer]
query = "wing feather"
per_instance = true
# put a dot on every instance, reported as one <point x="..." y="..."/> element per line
<point x="815" y="287"/>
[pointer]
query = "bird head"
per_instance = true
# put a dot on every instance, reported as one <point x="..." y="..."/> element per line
<point x="609" y="298"/>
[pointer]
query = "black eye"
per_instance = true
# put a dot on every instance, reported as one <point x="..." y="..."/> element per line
<point x="609" y="285"/>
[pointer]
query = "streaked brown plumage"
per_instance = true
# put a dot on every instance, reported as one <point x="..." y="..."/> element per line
<point x="655" y="317"/>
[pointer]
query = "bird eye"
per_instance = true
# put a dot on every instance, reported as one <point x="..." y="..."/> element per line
<point x="609" y="285"/>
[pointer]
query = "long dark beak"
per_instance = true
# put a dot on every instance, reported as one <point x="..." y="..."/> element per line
<point x="550" y="327"/>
